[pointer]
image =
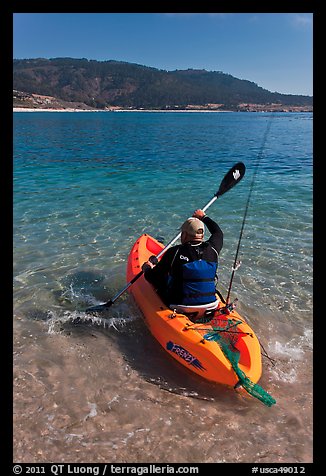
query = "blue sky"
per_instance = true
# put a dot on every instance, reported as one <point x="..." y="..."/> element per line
<point x="274" y="50"/>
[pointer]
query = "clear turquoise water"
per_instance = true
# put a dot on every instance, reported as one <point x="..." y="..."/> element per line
<point x="86" y="185"/>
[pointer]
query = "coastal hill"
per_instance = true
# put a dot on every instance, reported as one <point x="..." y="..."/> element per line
<point x="88" y="84"/>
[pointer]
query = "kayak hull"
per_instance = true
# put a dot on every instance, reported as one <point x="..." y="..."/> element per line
<point x="183" y="339"/>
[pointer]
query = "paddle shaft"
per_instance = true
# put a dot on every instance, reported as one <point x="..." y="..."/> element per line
<point x="134" y="279"/>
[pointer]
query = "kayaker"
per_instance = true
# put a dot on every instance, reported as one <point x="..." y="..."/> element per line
<point x="186" y="274"/>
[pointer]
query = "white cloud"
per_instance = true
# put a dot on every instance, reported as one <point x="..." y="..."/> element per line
<point x="304" y="20"/>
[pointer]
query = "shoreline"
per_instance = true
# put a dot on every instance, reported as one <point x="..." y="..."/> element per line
<point x="25" y="109"/>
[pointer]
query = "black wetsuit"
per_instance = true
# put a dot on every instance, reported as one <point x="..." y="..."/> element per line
<point x="169" y="276"/>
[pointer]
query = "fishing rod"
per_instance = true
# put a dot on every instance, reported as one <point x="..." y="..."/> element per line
<point x="236" y="263"/>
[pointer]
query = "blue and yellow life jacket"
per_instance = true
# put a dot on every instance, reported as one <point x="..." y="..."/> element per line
<point x="198" y="282"/>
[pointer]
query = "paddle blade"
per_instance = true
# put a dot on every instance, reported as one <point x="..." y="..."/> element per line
<point x="233" y="176"/>
<point x="100" y="307"/>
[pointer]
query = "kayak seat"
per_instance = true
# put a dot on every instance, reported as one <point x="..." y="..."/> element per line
<point x="195" y="312"/>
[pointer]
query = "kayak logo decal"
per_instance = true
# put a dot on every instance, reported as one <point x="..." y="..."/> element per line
<point x="236" y="174"/>
<point x="184" y="354"/>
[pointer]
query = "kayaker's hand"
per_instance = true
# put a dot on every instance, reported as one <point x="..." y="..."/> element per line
<point x="147" y="265"/>
<point x="199" y="214"/>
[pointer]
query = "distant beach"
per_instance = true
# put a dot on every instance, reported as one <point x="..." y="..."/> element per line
<point x="25" y="109"/>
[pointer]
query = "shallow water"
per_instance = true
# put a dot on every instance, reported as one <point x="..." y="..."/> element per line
<point x="101" y="390"/>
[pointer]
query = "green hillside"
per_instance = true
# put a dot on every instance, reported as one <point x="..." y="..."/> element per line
<point x="103" y="84"/>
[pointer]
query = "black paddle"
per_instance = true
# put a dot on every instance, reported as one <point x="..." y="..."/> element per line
<point x="233" y="176"/>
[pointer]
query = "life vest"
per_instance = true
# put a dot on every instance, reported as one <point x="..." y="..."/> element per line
<point x="198" y="282"/>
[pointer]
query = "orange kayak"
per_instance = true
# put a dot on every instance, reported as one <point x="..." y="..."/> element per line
<point x="189" y="342"/>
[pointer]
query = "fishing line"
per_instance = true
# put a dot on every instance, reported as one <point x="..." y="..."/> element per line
<point x="236" y="264"/>
<point x="264" y="354"/>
